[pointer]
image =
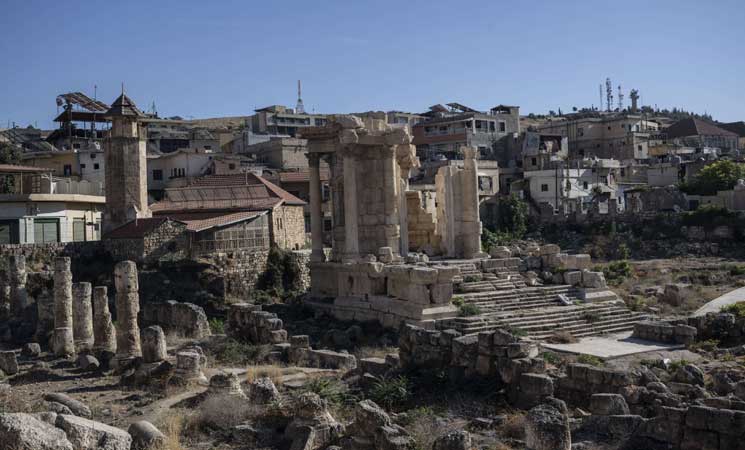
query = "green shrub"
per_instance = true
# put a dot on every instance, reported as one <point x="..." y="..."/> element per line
<point x="736" y="270"/>
<point x="458" y="301"/>
<point x="281" y="274"/>
<point x="468" y="309"/>
<point x="591" y="360"/>
<point x="239" y="354"/>
<point x="737" y="309"/>
<point x="718" y="176"/>
<point x="591" y="316"/>
<point x="391" y="392"/>
<point x="470" y="279"/>
<point x="551" y="358"/>
<point x="675" y="365"/>
<point x="517" y="332"/>
<point x="217" y="325"/>
<point x="707" y="345"/>
<point x="617" y="271"/>
<point x="329" y="389"/>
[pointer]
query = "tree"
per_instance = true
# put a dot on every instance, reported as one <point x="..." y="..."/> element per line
<point x="718" y="176"/>
<point x="9" y="153"/>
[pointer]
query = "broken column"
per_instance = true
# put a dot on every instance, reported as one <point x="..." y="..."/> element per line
<point x="127" y="308"/>
<point x="458" y="222"/>
<point x="18" y="294"/>
<point x="104" y="335"/>
<point x="316" y="211"/>
<point x="62" y="339"/>
<point x="82" y="317"/>
<point x="188" y="368"/>
<point x="153" y="344"/>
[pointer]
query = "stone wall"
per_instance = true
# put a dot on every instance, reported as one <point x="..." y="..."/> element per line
<point x="582" y="381"/>
<point x="186" y="319"/>
<point x="288" y="227"/>
<point x="238" y="271"/>
<point x="727" y="328"/>
<point x="421" y="224"/>
<point x="299" y="353"/>
<point x="671" y="332"/>
<point x="247" y="322"/>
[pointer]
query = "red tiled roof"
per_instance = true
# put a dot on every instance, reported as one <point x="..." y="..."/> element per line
<point x="136" y="228"/>
<point x="203" y="221"/>
<point x="695" y="127"/>
<point x="223" y="193"/>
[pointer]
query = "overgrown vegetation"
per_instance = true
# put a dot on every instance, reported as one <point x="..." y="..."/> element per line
<point x="280" y="279"/>
<point x="591" y="360"/>
<point x="468" y="309"/>
<point x="329" y="389"/>
<point x="718" y="176"/>
<point x="391" y="393"/>
<point x="617" y="271"/>
<point x="236" y="353"/>
<point x="217" y="325"/>
<point x="505" y="222"/>
<point x="737" y="309"/>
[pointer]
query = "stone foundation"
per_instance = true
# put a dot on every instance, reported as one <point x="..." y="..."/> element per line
<point x="186" y="319"/>
<point x="247" y="322"/>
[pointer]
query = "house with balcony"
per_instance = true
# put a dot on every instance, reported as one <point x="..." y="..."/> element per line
<point x="37" y="207"/>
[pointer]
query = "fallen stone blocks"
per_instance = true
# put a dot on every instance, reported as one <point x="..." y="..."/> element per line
<point x="667" y="332"/>
<point x="186" y="319"/>
<point x="247" y="322"/>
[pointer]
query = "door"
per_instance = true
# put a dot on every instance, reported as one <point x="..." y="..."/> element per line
<point x="78" y="230"/>
<point x="8" y="232"/>
<point x="46" y="230"/>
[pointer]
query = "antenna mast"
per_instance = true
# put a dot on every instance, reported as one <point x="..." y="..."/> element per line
<point x="299" y="108"/>
<point x="600" y="91"/>
<point x="620" y="98"/>
<point x="608" y="94"/>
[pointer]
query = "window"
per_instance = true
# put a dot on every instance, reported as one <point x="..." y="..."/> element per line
<point x="491" y="126"/>
<point x="96" y="166"/>
<point x="93" y="156"/>
<point x="623" y="172"/>
<point x="208" y="147"/>
<point x="639" y="147"/>
<point x="580" y="132"/>
<point x="584" y="185"/>
<point x="75" y="145"/>
<point x="231" y="166"/>
<point x="502" y="127"/>
<point x="533" y="161"/>
<point x="82" y="166"/>
<point x="544" y="188"/>
<point x="78" y="230"/>
<point x="67" y="170"/>
<point x="46" y="230"/>
<point x="157" y="174"/>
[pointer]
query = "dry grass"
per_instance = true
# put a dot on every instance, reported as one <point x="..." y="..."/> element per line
<point x="425" y="429"/>
<point x="173" y="427"/>
<point x="562" y="337"/>
<point x="502" y="446"/>
<point x="223" y="412"/>
<point x="374" y="352"/>
<point x="273" y="372"/>
<point x="513" y="427"/>
<point x="11" y="401"/>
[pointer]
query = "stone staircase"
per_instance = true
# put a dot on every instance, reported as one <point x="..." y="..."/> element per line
<point x="542" y="322"/>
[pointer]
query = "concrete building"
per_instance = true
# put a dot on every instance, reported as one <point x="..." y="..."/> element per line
<point x="625" y="137"/>
<point x="84" y="164"/>
<point x="737" y="128"/>
<point x="445" y="131"/>
<point x="279" y="153"/>
<point x="278" y="119"/>
<point x="36" y="207"/>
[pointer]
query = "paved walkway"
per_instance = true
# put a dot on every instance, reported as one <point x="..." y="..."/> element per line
<point x="611" y="346"/>
<point x="738" y="295"/>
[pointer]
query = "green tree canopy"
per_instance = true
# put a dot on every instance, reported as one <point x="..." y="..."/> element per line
<point x="718" y="176"/>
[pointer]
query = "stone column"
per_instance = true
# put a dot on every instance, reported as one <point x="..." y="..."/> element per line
<point x="316" y="212"/>
<point x="18" y="294"/>
<point x="188" y="368"/>
<point x="82" y="316"/>
<point x="44" y="317"/>
<point x="127" y="307"/>
<point x="63" y="342"/>
<point x="470" y="195"/>
<point x="351" y="236"/>
<point x="153" y="344"/>
<point x="104" y="335"/>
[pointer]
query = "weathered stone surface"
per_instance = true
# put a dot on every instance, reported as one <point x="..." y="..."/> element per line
<point x="63" y="338"/>
<point x="573" y="278"/>
<point x="184" y="319"/>
<point x="85" y="434"/>
<point x="676" y="293"/>
<point x="127" y="308"/>
<point x="78" y="408"/>
<point x="608" y="405"/>
<point x="455" y="440"/>
<point x="82" y="316"/>
<point x="8" y="362"/>
<point x="31" y="349"/>
<point x="262" y="391"/>
<point x="19" y="431"/>
<point x="88" y="362"/>
<point x="226" y="383"/>
<point x="689" y="374"/>
<point x="546" y="428"/>
<point x="145" y="436"/>
<point x="154" y="347"/>
<point x="188" y="368"/>
<point x="593" y="279"/>
<point x="312" y="427"/>
<point x="104" y="334"/>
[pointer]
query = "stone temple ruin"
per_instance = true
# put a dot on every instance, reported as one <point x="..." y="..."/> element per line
<point x="372" y="272"/>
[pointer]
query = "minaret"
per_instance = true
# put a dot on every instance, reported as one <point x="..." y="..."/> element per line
<point x="126" y="165"/>
<point x="299" y="108"/>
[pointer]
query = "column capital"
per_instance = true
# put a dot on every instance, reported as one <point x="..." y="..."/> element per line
<point x="314" y="159"/>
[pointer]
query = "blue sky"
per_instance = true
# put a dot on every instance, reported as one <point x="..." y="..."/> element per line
<point x="217" y="58"/>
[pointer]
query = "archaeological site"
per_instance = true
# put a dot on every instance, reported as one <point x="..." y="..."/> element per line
<point x="276" y="278"/>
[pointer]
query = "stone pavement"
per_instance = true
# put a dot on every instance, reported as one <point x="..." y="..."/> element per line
<point x="611" y="346"/>
<point x="738" y="295"/>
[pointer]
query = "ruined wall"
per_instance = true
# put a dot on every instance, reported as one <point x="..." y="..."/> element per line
<point x="186" y="319"/>
<point x="421" y="224"/>
<point x="288" y="227"/>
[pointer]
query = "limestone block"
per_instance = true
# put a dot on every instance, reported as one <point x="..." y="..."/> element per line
<point x="385" y="255"/>
<point x="573" y="278"/>
<point x="421" y="275"/>
<point x="153" y="344"/>
<point x="445" y="274"/>
<point x="547" y="428"/>
<point x="549" y="249"/>
<point x="145" y="436"/>
<point x="24" y="431"/>
<point x="500" y="252"/>
<point x="8" y="362"/>
<point x="593" y="279"/>
<point x="441" y="293"/>
<point x="608" y="405"/>
<point x="85" y="434"/>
